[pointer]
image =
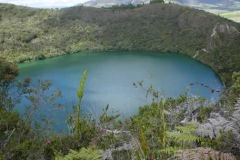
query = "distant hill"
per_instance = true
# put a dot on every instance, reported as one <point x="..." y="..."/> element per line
<point x="207" y="1"/>
<point x="220" y="4"/>
<point x="109" y="3"/>
<point x="213" y="4"/>
<point x="224" y="8"/>
<point x="30" y="34"/>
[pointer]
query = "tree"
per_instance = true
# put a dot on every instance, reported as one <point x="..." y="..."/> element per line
<point x="8" y="72"/>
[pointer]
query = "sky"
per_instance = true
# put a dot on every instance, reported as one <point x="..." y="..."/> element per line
<point x="44" y="3"/>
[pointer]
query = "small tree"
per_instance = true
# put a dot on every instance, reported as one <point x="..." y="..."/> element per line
<point x="8" y="72"/>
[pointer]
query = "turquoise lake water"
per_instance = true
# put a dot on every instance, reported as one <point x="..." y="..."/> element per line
<point x="111" y="76"/>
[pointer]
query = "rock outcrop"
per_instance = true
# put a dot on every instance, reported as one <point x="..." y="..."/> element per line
<point x="222" y="33"/>
<point x="217" y="125"/>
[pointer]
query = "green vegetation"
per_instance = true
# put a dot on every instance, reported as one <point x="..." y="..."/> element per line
<point x="156" y="132"/>
<point x="156" y="1"/>
<point x="125" y="6"/>
<point x="160" y="130"/>
<point x="86" y="154"/>
<point x="31" y="34"/>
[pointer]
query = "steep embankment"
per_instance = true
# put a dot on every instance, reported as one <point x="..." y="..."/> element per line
<point x="28" y="34"/>
<point x="222" y="52"/>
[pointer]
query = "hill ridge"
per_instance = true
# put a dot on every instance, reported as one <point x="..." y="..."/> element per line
<point x="31" y="34"/>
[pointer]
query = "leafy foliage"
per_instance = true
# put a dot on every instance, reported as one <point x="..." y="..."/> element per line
<point x="186" y="135"/>
<point x="82" y="128"/>
<point x="156" y="1"/>
<point x="105" y="120"/>
<point x="204" y="113"/>
<point x="8" y="73"/>
<point x="233" y="126"/>
<point x="31" y="34"/>
<point x="155" y="132"/>
<point x="82" y="154"/>
<point x="24" y="136"/>
<point x="78" y="108"/>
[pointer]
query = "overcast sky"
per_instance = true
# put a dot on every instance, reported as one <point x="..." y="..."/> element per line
<point x="44" y="3"/>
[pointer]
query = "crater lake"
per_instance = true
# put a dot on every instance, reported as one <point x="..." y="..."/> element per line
<point x="111" y="76"/>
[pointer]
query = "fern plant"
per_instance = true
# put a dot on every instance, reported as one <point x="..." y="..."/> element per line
<point x="183" y="138"/>
<point x="74" y="119"/>
<point x="234" y="125"/>
<point x="82" y="154"/>
<point x="78" y="109"/>
<point x="185" y="135"/>
<point x="82" y="128"/>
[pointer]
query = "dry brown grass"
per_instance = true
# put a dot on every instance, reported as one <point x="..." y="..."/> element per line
<point x="203" y="154"/>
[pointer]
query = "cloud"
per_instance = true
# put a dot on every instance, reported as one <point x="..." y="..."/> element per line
<point x="44" y="3"/>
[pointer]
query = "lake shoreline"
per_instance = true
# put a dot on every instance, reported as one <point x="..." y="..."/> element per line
<point x="184" y="54"/>
<point x="112" y="74"/>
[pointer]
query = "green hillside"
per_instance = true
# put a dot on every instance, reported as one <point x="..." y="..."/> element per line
<point x="174" y="128"/>
<point x="30" y="34"/>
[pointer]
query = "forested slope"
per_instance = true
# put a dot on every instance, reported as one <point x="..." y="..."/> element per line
<point x="158" y="129"/>
<point x="31" y="34"/>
